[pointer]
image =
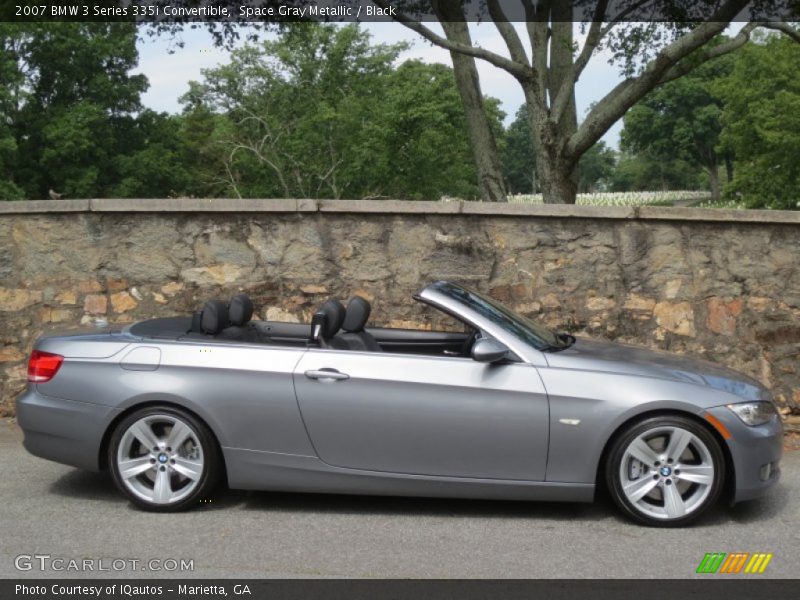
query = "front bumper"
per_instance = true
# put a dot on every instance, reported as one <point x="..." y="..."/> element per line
<point x="756" y="453"/>
<point x="61" y="430"/>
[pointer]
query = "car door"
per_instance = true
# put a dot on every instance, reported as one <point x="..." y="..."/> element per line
<point x="425" y="415"/>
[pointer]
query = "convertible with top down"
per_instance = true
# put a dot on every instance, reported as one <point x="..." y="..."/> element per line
<point x="501" y="409"/>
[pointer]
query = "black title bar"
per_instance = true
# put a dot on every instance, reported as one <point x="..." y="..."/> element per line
<point x="277" y="11"/>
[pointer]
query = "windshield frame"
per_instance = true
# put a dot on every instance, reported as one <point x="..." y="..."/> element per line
<point x="497" y="320"/>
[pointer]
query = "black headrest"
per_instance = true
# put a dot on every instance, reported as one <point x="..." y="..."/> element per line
<point x="240" y="310"/>
<point x="358" y="311"/>
<point x="215" y="317"/>
<point x="329" y="319"/>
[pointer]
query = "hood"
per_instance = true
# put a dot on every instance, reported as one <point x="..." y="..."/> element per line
<point x="610" y="357"/>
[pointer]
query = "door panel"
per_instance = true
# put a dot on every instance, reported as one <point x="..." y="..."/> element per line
<point x="424" y="415"/>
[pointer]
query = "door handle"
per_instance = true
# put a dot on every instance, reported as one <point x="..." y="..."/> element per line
<point x="327" y="375"/>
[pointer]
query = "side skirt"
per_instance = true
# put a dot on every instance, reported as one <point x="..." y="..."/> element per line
<point x="253" y="470"/>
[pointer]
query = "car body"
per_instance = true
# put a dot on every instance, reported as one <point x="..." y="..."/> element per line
<point x="520" y="414"/>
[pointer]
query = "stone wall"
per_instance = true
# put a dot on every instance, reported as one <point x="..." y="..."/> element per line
<point x="721" y="284"/>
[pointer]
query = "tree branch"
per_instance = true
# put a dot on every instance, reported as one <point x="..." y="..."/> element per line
<point x="784" y="28"/>
<point x="564" y="93"/>
<point x="620" y="16"/>
<point x="614" y="105"/>
<point x="592" y="39"/>
<point x="539" y="33"/>
<point x="508" y="33"/>
<point x="702" y="56"/>
<point x="519" y="71"/>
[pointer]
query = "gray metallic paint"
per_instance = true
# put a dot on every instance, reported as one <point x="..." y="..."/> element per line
<point x="401" y="424"/>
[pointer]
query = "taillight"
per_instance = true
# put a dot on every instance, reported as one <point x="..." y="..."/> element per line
<point x="43" y="366"/>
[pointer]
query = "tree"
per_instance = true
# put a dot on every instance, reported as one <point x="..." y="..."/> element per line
<point x="484" y="147"/>
<point x="519" y="157"/>
<point x="296" y="105"/>
<point x="11" y="76"/>
<point x="160" y="162"/>
<point x="682" y="120"/>
<point x="761" y="123"/>
<point x="423" y="136"/>
<point x="320" y="111"/>
<point x="651" y="55"/>
<point x="636" y="172"/>
<point x="596" y="167"/>
<point x="69" y="104"/>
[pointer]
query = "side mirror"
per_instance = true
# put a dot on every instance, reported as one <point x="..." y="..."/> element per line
<point x="488" y="350"/>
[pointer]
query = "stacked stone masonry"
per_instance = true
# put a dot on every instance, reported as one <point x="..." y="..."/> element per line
<point x="723" y="285"/>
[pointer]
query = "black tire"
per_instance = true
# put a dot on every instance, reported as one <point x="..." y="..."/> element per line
<point x="616" y="455"/>
<point x="212" y="468"/>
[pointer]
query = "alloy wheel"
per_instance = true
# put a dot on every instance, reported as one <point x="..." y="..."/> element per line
<point x="160" y="459"/>
<point x="666" y="472"/>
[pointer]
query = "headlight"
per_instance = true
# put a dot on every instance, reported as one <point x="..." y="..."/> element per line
<point x="754" y="413"/>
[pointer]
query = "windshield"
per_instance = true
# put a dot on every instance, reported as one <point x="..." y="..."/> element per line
<point x="528" y="331"/>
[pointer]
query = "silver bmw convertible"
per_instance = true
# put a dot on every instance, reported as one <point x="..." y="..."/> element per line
<point x="503" y="409"/>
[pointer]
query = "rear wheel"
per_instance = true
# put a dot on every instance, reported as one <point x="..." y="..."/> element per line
<point x="665" y="471"/>
<point x="164" y="459"/>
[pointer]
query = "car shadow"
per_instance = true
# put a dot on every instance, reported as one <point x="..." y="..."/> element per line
<point x="603" y="507"/>
<point x="98" y="487"/>
<point x="87" y="485"/>
<point x="751" y="511"/>
<point x="432" y="507"/>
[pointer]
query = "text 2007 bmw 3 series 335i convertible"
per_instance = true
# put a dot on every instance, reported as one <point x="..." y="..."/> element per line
<point x="504" y="409"/>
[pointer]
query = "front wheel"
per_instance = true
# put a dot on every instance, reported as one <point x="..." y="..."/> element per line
<point x="164" y="459"/>
<point x="665" y="471"/>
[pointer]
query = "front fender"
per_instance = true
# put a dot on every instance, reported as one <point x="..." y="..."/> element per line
<point x="601" y="403"/>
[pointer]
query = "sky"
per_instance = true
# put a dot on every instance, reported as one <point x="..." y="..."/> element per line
<point x="169" y="74"/>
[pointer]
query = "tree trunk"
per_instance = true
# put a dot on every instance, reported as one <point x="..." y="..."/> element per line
<point x="559" y="181"/>
<point x="557" y="172"/>
<point x="484" y="146"/>
<point x="728" y="168"/>
<point x="713" y="180"/>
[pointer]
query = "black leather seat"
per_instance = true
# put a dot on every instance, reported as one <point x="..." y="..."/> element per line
<point x="213" y="317"/>
<point x="354" y="336"/>
<point x="240" y="312"/>
<point x="325" y="325"/>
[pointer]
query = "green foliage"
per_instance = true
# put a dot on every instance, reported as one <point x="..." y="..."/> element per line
<point x="595" y="168"/>
<point x="320" y="111"/>
<point x="643" y="172"/>
<point x="519" y="155"/>
<point x="159" y="165"/>
<point x="762" y="123"/>
<point x="680" y="121"/>
<point x="67" y="98"/>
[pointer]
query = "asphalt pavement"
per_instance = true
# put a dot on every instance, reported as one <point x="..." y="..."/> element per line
<point x="47" y="509"/>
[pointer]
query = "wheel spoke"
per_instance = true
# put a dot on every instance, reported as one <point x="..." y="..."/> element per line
<point x="678" y="440"/>
<point x="134" y="466"/>
<point x="639" y="488"/>
<point x="142" y="432"/>
<point x="162" y="490"/>
<point x="188" y="468"/>
<point x="673" y="503"/>
<point x="178" y="435"/>
<point x="702" y="474"/>
<point x="641" y="451"/>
